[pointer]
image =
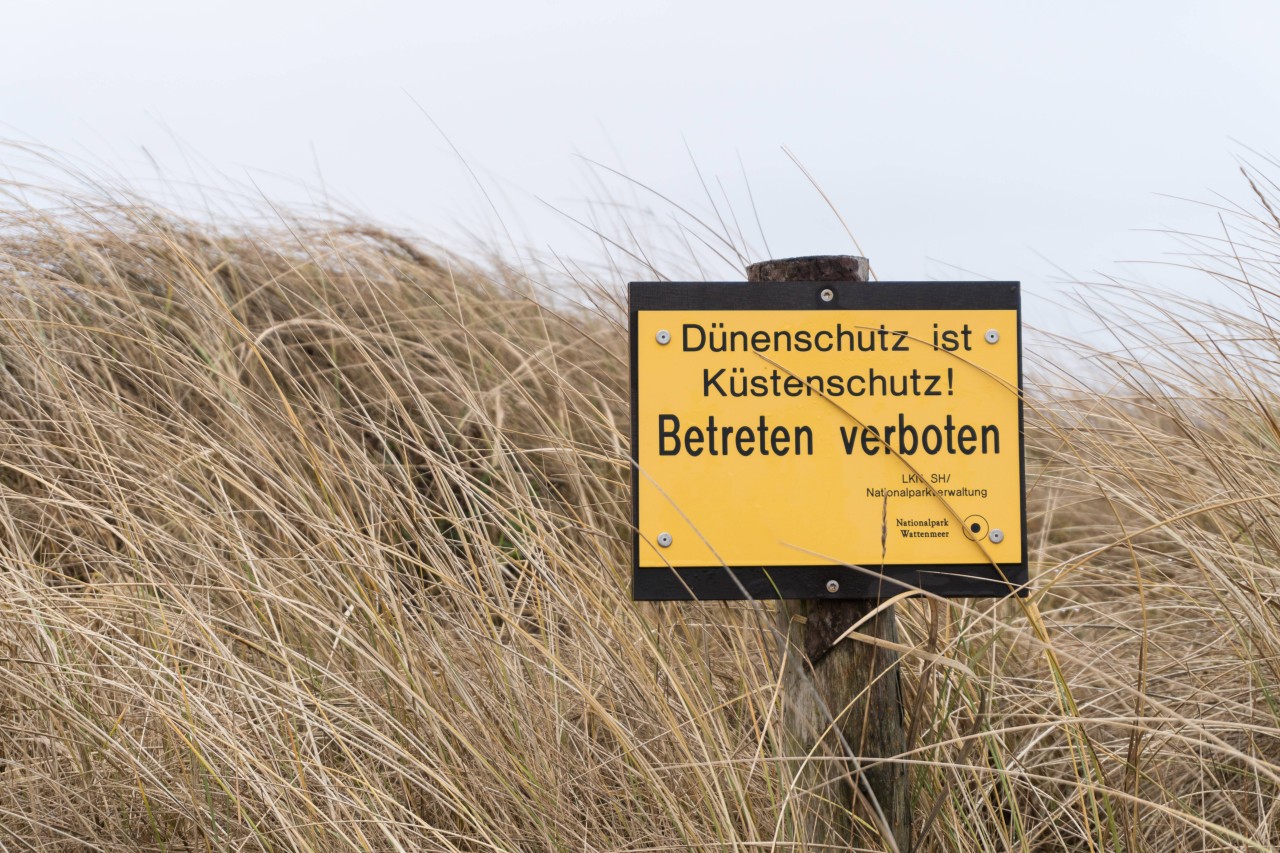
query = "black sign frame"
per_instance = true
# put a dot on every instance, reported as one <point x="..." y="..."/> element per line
<point x="731" y="583"/>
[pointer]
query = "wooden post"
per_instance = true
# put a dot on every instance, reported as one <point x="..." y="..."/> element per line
<point x="854" y="684"/>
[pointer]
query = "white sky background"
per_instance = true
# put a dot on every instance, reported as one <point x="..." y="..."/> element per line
<point x="1008" y="140"/>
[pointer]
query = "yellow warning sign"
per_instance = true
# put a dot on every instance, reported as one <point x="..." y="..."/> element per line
<point x="873" y="437"/>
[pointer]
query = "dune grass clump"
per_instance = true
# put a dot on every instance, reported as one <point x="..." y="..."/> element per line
<point x="312" y="539"/>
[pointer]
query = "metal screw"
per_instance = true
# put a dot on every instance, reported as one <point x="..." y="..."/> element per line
<point x="996" y="536"/>
<point x="827" y="294"/>
<point x="833" y="586"/>
<point x="992" y="336"/>
<point x="664" y="539"/>
<point x="664" y="337"/>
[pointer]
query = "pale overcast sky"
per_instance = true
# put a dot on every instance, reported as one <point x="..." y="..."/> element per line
<point x="1004" y="139"/>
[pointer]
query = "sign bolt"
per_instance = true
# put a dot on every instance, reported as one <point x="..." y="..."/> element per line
<point x="664" y="539"/>
<point x="996" y="536"/>
<point x="664" y="337"/>
<point x="992" y="336"/>
<point x="833" y="586"/>
<point x="827" y="294"/>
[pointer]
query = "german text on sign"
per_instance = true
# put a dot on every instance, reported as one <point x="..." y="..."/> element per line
<point x="783" y="441"/>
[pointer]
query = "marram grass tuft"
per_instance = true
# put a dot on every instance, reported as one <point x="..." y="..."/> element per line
<point x="316" y="540"/>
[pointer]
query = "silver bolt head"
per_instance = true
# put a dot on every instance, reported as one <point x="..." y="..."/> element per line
<point x="664" y="539"/>
<point x="664" y="337"/>
<point x="992" y="336"/>
<point x="827" y="294"/>
<point x="996" y="535"/>
<point x="833" y="586"/>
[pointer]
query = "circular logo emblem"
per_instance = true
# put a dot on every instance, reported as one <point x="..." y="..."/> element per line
<point x="975" y="527"/>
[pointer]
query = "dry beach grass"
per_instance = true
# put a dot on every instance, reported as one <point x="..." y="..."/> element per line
<point x="313" y="540"/>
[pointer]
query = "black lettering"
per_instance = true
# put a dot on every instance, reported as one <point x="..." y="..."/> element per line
<point x="673" y="433"/>
<point x="849" y="436"/>
<point x="807" y="434"/>
<point x="711" y="380"/>
<point x="693" y="439"/>
<point x="994" y="432"/>
<point x="908" y="439"/>
<point x="905" y="429"/>
<point x="778" y="439"/>
<point x="931" y="439"/>
<point x="725" y="432"/>
<point x="870" y="441"/>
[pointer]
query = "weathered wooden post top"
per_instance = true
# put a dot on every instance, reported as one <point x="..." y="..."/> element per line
<point x="831" y="442"/>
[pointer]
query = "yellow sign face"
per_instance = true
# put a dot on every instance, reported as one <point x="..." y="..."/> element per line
<point x="854" y="437"/>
